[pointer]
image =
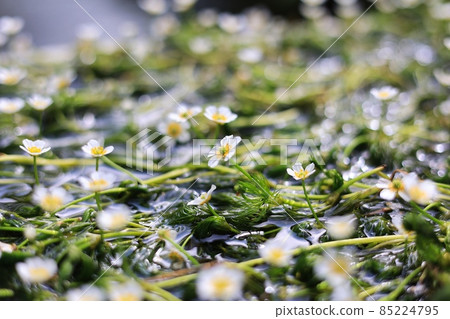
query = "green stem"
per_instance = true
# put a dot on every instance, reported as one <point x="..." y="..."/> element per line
<point x="163" y="177"/>
<point x="348" y="183"/>
<point x="216" y="132"/>
<point x="120" y="168"/>
<point x="309" y="204"/>
<point x="36" y="176"/>
<point x="397" y="291"/>
<point x="96" y="163"/>
<point x="97" y="200"/>
<point x="212" y="210"/>
<point x="41" y="119"/>
<point x="22" y="229"/>
<point x="426" y="214"/>
<point x="181" y="250"/>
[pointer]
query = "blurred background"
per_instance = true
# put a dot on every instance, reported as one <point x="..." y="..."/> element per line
<point x="57" y="21"/>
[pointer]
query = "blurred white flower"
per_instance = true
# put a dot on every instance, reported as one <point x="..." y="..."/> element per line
<point x="390" y="189"/>
<point x="85" y="293"/>
<point x="447" y="43"/>
<point x="275" y="252"/>
<point x="231" y="23"/>
<point x="30" y="232"/>
<point x="11" y="25"/>
<point x="155" y="7"/>
<point x="341" y="227"/>
<point x="50" y="199"/>
<point x="384" y="93"/>
<point x="61" y="81"/>
<point x="225" y="151"/>
<point x="11" y="76"/>
<point x="11" y="105"/>
<point x="6" y="248"/>
<point x="176" y="130"/>
<point x="250" y="55"/>
<point x="89" y="32"/>
<point x="114" y="218"/>
<point x="220" y="283"/>
<point x="207" y="18"/>
<point x="129" y="291"/>
<point x="36" y="270"/>
<point x="39" y="102"/>
<point x="94" y="149"/>
<point x="97" y="181"/>
<point x="422" y="192"/>
<point x="297" y="171"/>
<point x="203" y="198"/>
<point x="220" y="115"/>
<point x="184" y="113"/>
<point x="334" y="267"/>
<point x="183" y="5"/>
<point x="442" y="77"/>
<point x="35" y="148"/>
<point x="343" y="292"/>
<point x="200" y="45"/>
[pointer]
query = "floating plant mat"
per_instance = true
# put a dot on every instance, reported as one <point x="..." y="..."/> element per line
<point x="142" y="219"/>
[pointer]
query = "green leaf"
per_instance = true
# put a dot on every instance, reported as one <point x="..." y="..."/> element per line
<point x="213" y="225"/>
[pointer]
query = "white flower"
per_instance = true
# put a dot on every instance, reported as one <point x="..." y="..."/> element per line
<point x="340" y="227"/>
<point x="11" y="76"/>
<point x="11" y="105"/>
<point x="275" y="252"/>
<point x="61" y="81"/>
<point x="201" y="45"/>
<point x="390" y="189"/>
<point x="6" y="248"/>
<point x="35" y="148"/>
<point x="442" y="77"/>
<point x="85" y="293"/>
<point x="224" y="151"/>
<point x="220" y="283"/>
<point x="98" y="181"/>
<point x="114" y="218"/>
<point x="36" y="270"/>
<point x="155" y="7"/>
<point x="30" y="232"/>
<point x="384" y="93"/>
<point x="297" y="171"/>
<point x="176" y="130"/>
<point x="11" y="25"/>
<point x="184" y="113"/>
<point x="51" y="199"/>
<point x="94" y="149"/>
<point x="422" y="192"/>
<point x="39" y="102"/>
<point x="231" y="23"/>
<point x="250" y="55"/>
<point x="203" y="198"/>
<point x="220" y="115"/>
<point x="447" y="43"/>
<point x="129" y="291"/>
<point x="333" y="267"/>
<point x="183" y="5"/>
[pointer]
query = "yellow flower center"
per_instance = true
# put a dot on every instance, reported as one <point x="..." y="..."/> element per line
<point x="186" y="115"/>
<point x="11" y="79"/>
<point x="98" y="150"/>
<point x="205" y="198"/>
<point x="417" y="194"/>
<point x="39" y="274"/>
<point x="301" y="174"/>
<point x="384" y="94"/>
<point x="51" y="203"/>
<point x="34" y="149"/>
<point x="62" y="83"/>
<point x="396" y="185"/>
<point x="174" y="129"/>
<point x="220" y="285"/>
<point x="128" y="297"/>
<point x="340" y="266"/>
<point x="224" y="151"/>
<point x="219" y="117"/>
<point x="98" y="183"/>
<point x="118" y="221"/>
<point x="275" y="255"/>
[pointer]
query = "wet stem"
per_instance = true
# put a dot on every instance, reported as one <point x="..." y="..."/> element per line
<point x="182" y="250"/>
<point x="211" y="209"/>
<point x="309" y="204"/>
<point x="96" y="163"/>
<point x="97" y="200"/>
<point x="36" y="177"/>
<point x="426" y="214"/>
